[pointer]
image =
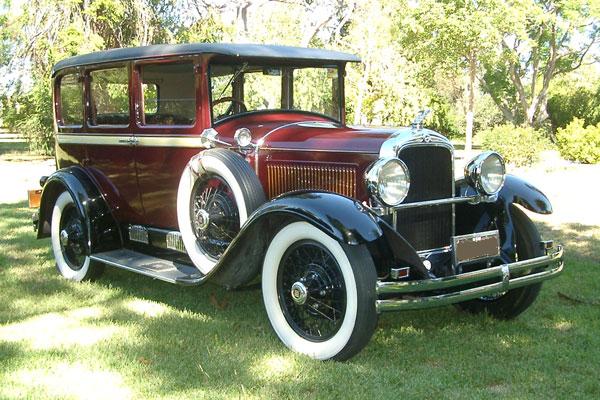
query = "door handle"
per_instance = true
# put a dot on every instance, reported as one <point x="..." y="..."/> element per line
<point x="131" y="140"/>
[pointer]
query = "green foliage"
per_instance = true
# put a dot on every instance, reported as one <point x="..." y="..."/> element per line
<point x="519" y="145"/>
<point x="31" y="115"/>
<point x="576" y="96"/>
<point x="578" y="142"/>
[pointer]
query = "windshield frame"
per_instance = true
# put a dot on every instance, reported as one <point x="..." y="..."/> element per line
<point x="339" y="66"/>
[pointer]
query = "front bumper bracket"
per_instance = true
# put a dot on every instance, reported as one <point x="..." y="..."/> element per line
<point x="412" y="295"/>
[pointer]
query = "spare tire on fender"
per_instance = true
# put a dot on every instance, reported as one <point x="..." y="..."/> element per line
<point x="218" y="191"/>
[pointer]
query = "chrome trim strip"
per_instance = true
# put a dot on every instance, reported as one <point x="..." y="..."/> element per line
<point x="93" y="139"/>
<point x="430" y="203"/>
<point x="195" y="141"/>
<point x="127" y="139"/>
<point x="262" y="139"/>
<point x="316" y="150"/>
<point x="552" y="263"/>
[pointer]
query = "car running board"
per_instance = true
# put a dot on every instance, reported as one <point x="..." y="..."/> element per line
<point x="153" y="267"/>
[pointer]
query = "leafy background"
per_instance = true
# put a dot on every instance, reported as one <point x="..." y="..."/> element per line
<point x="477" y="64"/>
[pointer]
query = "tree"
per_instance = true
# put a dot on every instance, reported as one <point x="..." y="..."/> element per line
<point x="450" y="38"/>
<point x="540" y="40"/>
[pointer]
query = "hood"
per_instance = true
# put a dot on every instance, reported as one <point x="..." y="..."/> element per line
<point x="312" y="135"/>
<point x="326" y="136"/>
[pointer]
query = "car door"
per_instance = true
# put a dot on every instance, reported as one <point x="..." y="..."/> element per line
<point x="110" y="142"/>
<point x="167" y="133"/>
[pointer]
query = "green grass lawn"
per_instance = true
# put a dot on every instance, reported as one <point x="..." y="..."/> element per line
<point x="127" y="336"/>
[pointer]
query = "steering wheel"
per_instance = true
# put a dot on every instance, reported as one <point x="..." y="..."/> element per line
<point x="229" y="110"/>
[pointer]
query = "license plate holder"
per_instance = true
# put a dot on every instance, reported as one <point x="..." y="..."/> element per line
<point x="476" y="246"/>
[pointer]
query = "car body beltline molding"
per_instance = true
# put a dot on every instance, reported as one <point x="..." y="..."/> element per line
<point x="127" y="139"/>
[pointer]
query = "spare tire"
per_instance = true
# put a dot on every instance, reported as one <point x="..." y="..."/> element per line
<point x="218" y="191"/>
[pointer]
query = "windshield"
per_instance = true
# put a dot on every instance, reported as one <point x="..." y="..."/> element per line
<point x="241" y="88"/>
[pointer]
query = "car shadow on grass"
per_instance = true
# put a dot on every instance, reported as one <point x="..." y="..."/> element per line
<point x="168" y="340"/>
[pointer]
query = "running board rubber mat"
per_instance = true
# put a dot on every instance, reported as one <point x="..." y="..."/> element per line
<point x="153" y="267"/>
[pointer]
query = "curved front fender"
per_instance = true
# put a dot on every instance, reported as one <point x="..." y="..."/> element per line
<point x="342" y="218"/>
<point x="479" y="217"/>
<point x="523" y="193"/>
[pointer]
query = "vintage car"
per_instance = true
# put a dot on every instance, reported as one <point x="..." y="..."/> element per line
<point x="232" y="163"/>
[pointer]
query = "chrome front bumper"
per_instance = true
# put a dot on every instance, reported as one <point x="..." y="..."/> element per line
<point x="426" y="293"/>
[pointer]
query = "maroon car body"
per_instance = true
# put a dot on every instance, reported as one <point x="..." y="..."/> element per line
<point x="156" y="177"/>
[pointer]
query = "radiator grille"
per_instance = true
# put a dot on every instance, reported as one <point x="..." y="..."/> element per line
<point x="286" y="177"/>
<point x="431" y="178"/>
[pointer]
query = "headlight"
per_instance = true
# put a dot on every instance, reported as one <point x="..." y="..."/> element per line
<point x="486" y="172"/>
<point x="388" y="180"/>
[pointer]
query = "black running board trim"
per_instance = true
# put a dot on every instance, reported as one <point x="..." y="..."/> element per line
<point x="153" y="267"/>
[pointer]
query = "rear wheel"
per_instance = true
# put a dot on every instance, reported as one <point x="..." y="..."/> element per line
<point x="69" y="241"/>
<point x="512" y="303"/>
<point x="319" y="294"/>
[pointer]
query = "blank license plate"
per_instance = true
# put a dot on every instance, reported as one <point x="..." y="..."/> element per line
<point x="476" y="246"/>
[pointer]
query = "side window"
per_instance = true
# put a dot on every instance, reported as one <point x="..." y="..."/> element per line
<point x="169" y="94"/>
<point x="71" y="101"/>
<point x="109" y="95"/>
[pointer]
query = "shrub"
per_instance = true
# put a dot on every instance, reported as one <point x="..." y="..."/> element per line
<point x="579" y="143"/>
<point x="30" y="114"/>
<point x="518" y="145"/>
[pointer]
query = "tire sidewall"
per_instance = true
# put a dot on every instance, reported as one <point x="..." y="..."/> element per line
<point x="198" y="165"/>
<point x="60" y="205"/>
<point x="287" y="236"/>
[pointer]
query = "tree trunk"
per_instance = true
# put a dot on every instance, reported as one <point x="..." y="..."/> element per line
<point x="471" y="102"/>
<point x="362" y="89"/>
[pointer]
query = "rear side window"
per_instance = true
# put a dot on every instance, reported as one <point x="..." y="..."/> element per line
<point x="109" y="95"/>
<point x="71" y="101"/>
<point x="169" y="94"/>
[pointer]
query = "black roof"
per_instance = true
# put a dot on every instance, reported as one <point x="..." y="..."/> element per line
<point x="225" y="49"/>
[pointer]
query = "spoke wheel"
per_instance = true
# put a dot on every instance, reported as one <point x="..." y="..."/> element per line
<point x="72" y="237"/>
<point x="319" y="294"/>
<point x="214" y="215"/>
<point x="311" y="290"/>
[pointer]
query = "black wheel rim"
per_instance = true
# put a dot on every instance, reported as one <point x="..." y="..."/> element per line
<point x="214" y="215"/>
<point x="72" y="238"/>
<point x="311" y="290"/>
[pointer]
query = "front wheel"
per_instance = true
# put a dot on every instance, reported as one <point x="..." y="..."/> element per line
<point x="515" y="301"/>
<point x="319" y="294"/>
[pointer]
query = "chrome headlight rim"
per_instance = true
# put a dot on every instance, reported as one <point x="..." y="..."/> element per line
<point x="474" y="172"/>
<point x="375" y="186"/>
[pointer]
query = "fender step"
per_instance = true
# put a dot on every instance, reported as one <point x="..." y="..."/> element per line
<point x="153" y="267"/>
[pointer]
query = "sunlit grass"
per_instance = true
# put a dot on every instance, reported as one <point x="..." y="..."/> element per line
<point x="127" y="336"/>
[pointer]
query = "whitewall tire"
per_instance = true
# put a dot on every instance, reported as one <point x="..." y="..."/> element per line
<point x="69" y="241"/>
<point x="309" y="279"/>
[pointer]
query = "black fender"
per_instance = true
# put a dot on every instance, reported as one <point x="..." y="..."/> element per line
<point x="103" y="232"/>
<point x="344" y="219"/>
<point x="476" y="218"/>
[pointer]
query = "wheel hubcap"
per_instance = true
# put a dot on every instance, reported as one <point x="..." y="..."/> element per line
<point x="64" y="237"/>
<point x="203" y="219"/>
<point x="299" y="293"/>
